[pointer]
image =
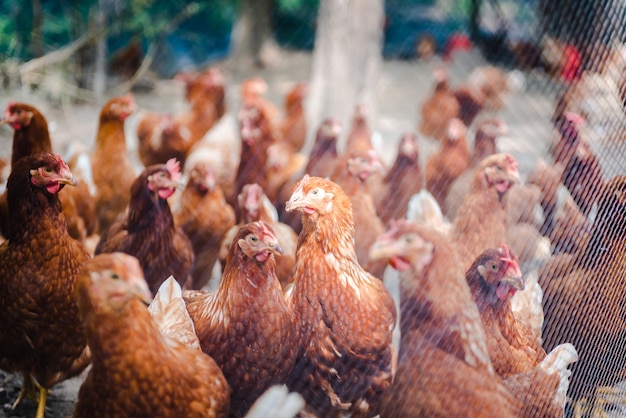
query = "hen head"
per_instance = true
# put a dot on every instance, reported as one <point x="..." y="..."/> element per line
<point x="210" y="81"/>
<point x="296" y="94"/>
<point x="163" y="179"/>
<point x="253" y="88"/>
<point x="364" y="164"/>
<point x="569" y="126"/>
<point x="109" y="282"/>
<point x="252" y="123"/>
<point x="47" y="171"/>
<point x="456" y="131"/>
<point x="19" y="115"/>
<point x="404" y="246"/>
<point x="329" y="130"/>
<point x="492" y="127"/>
<point x="315" y="196"/>
<point x="118" y="108"/>
<point x="498" y="171"/>
<point x="257" y="240"/>
<point x="499" y="274"/>
<point x="202" y="178"/>
<point x="408" y="146"/>
<point x="251" y="201"/>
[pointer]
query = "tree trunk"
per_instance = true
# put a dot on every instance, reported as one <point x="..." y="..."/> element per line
<point x="346" y="61"/>
<point x="252" y="40"/>
<point x="99" y="78"/>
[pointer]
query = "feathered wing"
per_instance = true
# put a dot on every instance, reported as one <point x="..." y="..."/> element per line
<point x="170" y="314"/>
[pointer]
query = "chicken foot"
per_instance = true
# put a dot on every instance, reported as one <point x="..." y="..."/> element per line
<point x="28" y="391"/>
<point x="33" y="391"/>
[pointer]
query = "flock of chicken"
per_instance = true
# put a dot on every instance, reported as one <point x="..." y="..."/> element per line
<point x="195" y="287"/>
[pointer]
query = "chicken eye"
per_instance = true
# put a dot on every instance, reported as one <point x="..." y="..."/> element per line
<point x="493" y="266"/>
<point x="315" y="192"/>
<point x="253" y="238"/>
<point x="47" y="170"/>
<point x="115" y="276"/>
<point x="409" y="238"/>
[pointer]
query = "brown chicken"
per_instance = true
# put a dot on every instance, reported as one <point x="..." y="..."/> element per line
<point x="255" y="206"/>
<point x="148" y="231"/>
<point x="113" y="171"/>
<point x="162" y="136"/>
<point x="205" y="216"/>
<point x="344" y="316"/>
<point x="360" y="134"/>
<point x="253" y="92"/>
<point x="322" y="160"/>
<point x="401" y="182"/>
<point x="293" y="128"/>
<point x="481" y="220"/>
<point x="352" y="172"/>
<point x="584" y="299"/>
<point x="487" y="132"/>
<point x="256" y="136"/>
<point x="30" y="136"/>
<point x="440" y="108"/>
<point x="444" y="368"/>
<point x="283" y="163"/>
<point x="449" y="162"/>
<point x="582" y="174"/>
<point x="485" y="88"/>
<point x="40" y="328"/>
<point x="246" y="325"/>
<point x="516" y="353"/>
<point x="136" y="371"/>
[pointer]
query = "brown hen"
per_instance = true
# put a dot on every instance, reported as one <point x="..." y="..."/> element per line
<point x="136" y="371"/>
<point x="439" y="108"/>
<point x="256" y="136"/>
<point x="30" y="136"/>
<point x="481" y="220"/>
<point x="584" y="297"/>
<point x="148" y="231"/>
<point x="246" y="325"/>
<point x="113" y="172"/>
<point x="449" y="162"/>
<point x="444" y="368"/>
<point x="162" y="136"/>
<point x="344" y="316"/>
<point x="401" y="182"/>
<point x="39" y="326"/>
<point x="515" y="351"/>
<point x="352" y="172"/>
<point x="322" y="159"/>
<point x="205" y="216"/>
<point x="256" y="206"/>
<point x="293" y="128"/>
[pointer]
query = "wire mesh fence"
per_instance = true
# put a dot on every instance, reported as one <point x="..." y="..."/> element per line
<point x="543" y="82"/>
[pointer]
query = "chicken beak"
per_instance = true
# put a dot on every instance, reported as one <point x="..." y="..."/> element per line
<point x="139" y="288"/>
<point x="516" y="281"/>
<point x="383" y="249"/>
<point x="67" y="178"/>
<point x="4" y="121"/>
<point x="275" y="247"/>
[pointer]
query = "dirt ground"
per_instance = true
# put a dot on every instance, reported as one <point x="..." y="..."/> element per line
<point x="402" y="87"/>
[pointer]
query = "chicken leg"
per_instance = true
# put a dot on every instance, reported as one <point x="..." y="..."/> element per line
<point x="28" y="391"/>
